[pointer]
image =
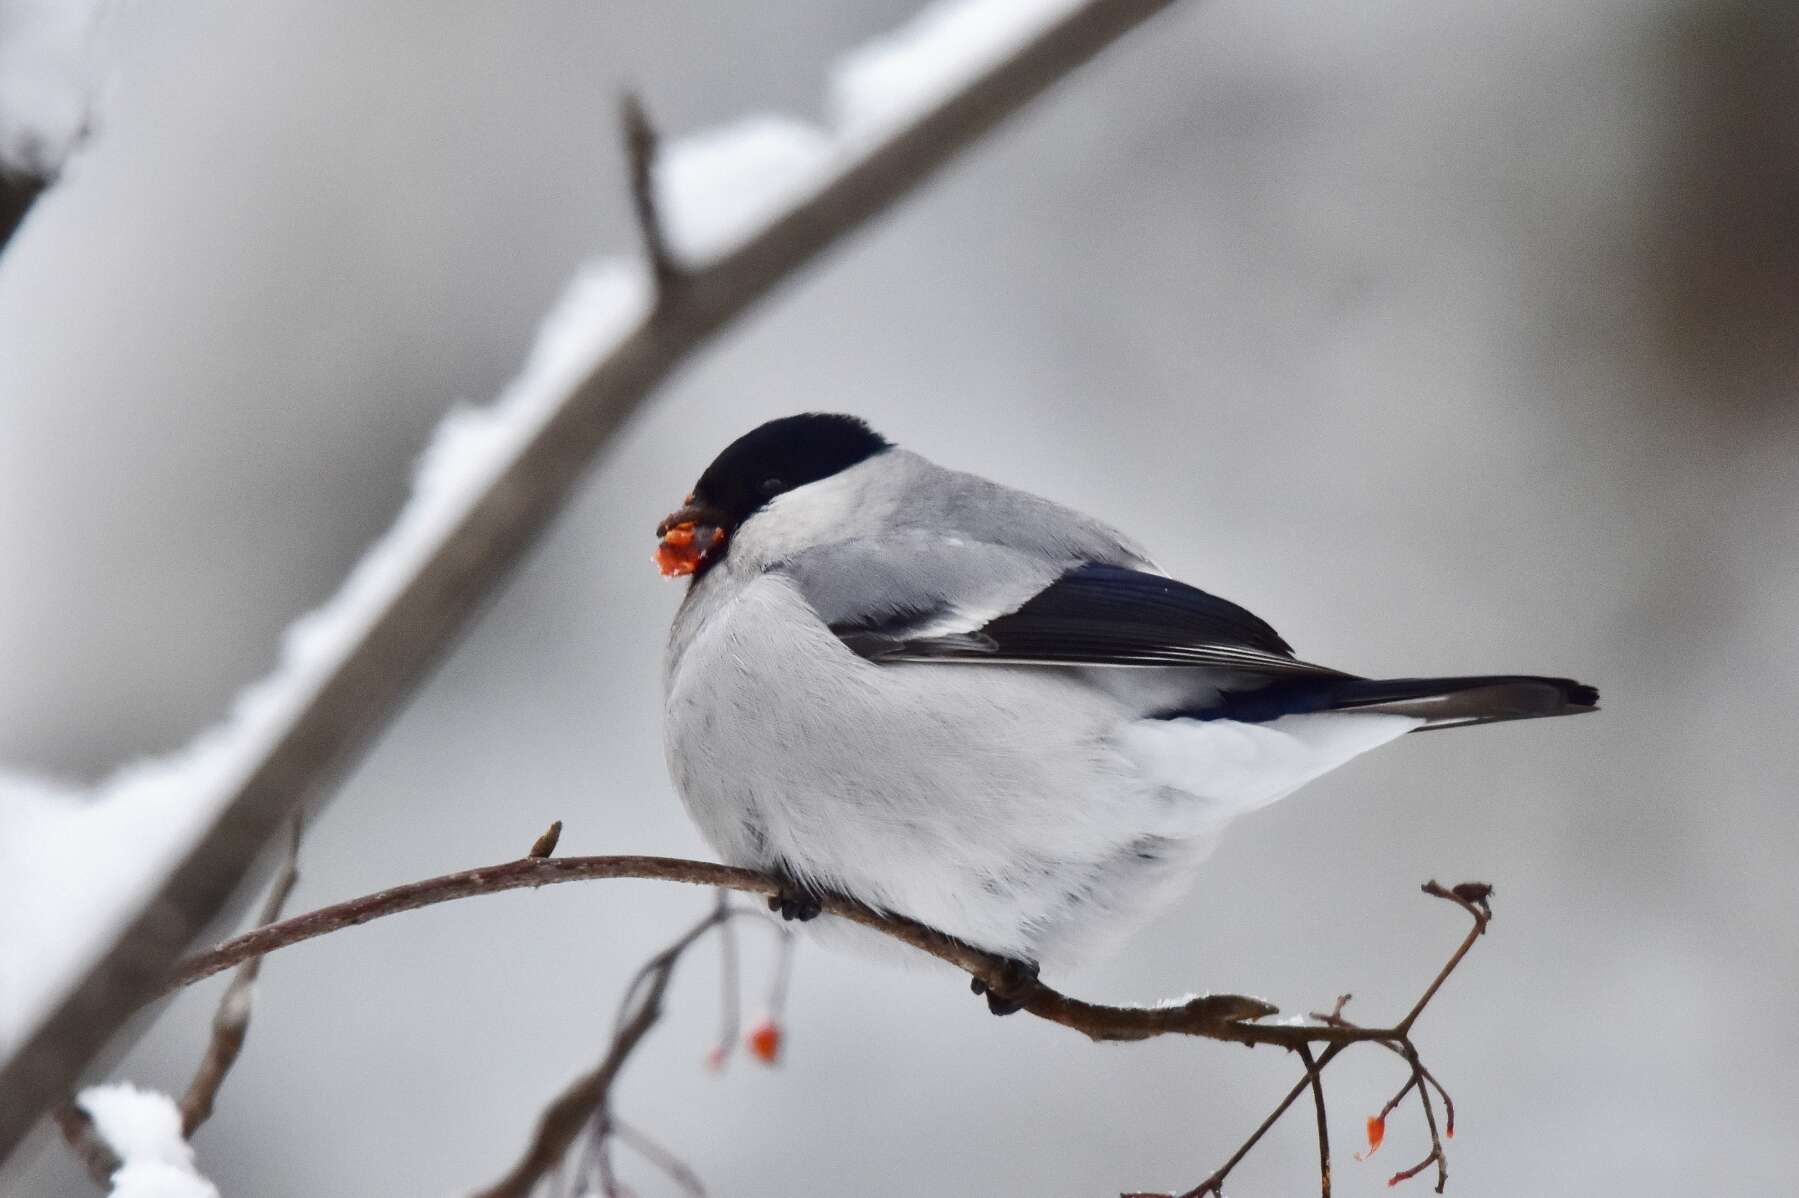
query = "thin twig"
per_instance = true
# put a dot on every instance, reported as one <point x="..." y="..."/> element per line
<point x="1226" y="1017"/>
<point x="1472" y="898"/>
<point x="678" y="1170"/>
<point x="601" y="1151"/>
<point x="730" y="999"/>
<point x="1324" y="1135"/>
<point x="640" y="157"/>
<point x="1419" y="1072"/>
<point x="86" y="1142"/>
<point x="231" y="1022"/>
<point x="1214" y="1184"/>
<point x="1481" y="916"/>
<point x="562" y="1121"/>
<point x="776" y="1002"/>
<point x="1377" y="1124"/>
<point x="1218" y="1017"/>
<point x="18" y="192"/>
<point x="364" y="687"/>
<point x="1437" y="1156"/>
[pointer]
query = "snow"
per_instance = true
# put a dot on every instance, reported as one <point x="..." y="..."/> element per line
<point x="44" y="83"/>
<point x="143" y="1129"/>
<point x="717" y="189"/>
<point x="75" y="865"/>
<point x="890" y="81"/>
<point x="1184" y="999"/>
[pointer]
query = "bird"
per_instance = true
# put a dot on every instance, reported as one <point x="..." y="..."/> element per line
<point x="957" y="702"/>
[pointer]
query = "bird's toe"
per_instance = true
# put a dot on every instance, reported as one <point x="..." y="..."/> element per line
<point x="1006" y="996"/>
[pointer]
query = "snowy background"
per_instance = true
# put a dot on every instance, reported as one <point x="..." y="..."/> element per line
<point x="1448" y="338"/>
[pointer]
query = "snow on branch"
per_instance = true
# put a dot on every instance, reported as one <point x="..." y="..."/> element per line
<point x="135" y="1136"/>
<point x="156" y="851"/>
<point x="121" y="1134"/>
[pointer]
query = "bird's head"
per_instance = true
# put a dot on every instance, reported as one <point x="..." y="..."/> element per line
<point x="764" y="463"/>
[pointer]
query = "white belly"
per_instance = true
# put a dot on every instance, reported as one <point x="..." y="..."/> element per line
<point x="1024" y="809"/>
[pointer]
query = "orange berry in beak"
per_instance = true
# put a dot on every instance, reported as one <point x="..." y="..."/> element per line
<point x="685" y="547"/>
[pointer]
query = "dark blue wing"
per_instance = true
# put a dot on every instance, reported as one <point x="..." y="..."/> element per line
<point x="1097" y="615"/>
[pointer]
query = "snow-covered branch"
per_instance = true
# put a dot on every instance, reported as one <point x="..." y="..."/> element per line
<point x="155" y="854"/>
<point x="134" y="1136"/>
<point x="121" y="1134"/>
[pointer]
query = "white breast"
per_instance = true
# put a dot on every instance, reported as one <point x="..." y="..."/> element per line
<point x="1029" y="810"/>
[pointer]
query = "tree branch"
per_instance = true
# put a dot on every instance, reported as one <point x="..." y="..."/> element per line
<point x="1472" y="898"/>
<point x="86" y="1142"/>
<point x="231" y="1022"/>
<point x="1217" y="1017"/>
<point x="659" y="1156"/>
<point x="18" y="192"/>
<point x="1316" y="1079"/>
<point x="560" y="1126"/>
<point x="564" y="1119"/>
<point x="371" y="678"/>
<point x="640" y="159"/>
<point x="1230" y="1018"/>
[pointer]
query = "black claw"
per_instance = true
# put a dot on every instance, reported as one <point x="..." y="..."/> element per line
<point x="795" y="902"/>
<point x="1019" y="977"/>
<point x="1000" y="1006"/>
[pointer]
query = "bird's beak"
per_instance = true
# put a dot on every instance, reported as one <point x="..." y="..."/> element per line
<point x="690" y="538"/>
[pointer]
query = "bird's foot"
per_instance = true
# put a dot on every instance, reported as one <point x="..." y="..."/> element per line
<point x="795" y="901"/>
<point x="802" y="908"/>
<point x="1007" y="996"/>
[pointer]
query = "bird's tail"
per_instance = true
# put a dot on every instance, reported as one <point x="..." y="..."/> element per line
<point x="1441" y="702"/>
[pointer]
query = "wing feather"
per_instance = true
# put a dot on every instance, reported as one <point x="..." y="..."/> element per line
<point x="1091" y="615"/>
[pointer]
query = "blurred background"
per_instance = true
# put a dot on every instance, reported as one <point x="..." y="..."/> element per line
<point x="1449" y="338"/>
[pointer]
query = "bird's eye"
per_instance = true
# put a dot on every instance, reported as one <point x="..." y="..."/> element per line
<point x="773" y="486"/>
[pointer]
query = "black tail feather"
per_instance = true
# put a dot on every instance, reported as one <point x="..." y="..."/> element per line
<point x="1444" y="702"/>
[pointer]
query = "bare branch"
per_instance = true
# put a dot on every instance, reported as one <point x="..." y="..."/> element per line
<point x="371" y="678"/>
<point x="640" y="156"/>
<point x="1214" y="1185"/>
<point x="88" y="1145"/>
<point x="230" y="1024"/>
<point x="18" y="192"/>
<point x="1437" y="1155"/>
<point x="659" y="1156"/>
<point x="1218" y="1017"/>
<point x="1324" y="1134"/>
<point x="561" y="1123"/>
<point x="38" y="161"/>
<point x="1478" y="911"/>
<point x="1471" y="897"/>
<point x="585" y="1102"/>
<point x="232" y="1020"/>
<point x="730" y="999"/>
